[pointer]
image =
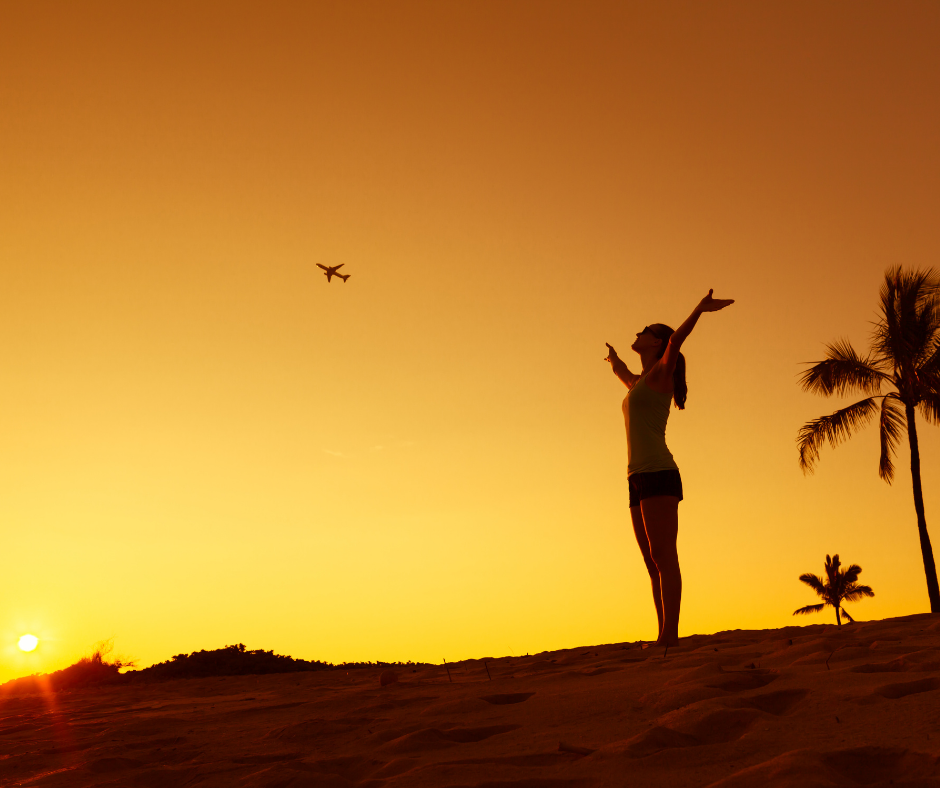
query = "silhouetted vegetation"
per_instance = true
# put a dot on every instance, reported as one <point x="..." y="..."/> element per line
<point x="97" y="668"/>
<point x="838" y="587"/>
<point x="229" y="661"/>
<point x="233" y="660"/>
<point x="905" y="356"/>
<point x="236" y="660"/>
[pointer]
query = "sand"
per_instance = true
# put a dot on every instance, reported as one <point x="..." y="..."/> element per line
<point x="800" y="706"/>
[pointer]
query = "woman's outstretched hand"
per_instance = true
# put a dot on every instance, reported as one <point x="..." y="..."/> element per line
<point x="709" y="304"/>
<point x="611" y="353"/>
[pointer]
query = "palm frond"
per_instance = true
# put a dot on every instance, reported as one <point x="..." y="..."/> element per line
<point x="855" y="592"/>
<point x="891" y="428"/>
<point x="851" y="574"/>
<point x="881" y="343"/>
<point x="929" y="371"/>
<point x="928" y="382"/>
<point x="842" y="371"/>
<point x="926" y="325"/>
<point x="909" y="315"/>
<point x="808" y="609"/>
<point x="835" y="583"/>
<point x="846" y="614"/>
<point x="834" y="428"/>
<point x="888" y="330"/>
<point x="815" y="582"/>
<point x="929" y="407"/>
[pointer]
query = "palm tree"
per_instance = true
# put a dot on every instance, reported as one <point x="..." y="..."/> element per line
<point x="905" y="357"/>
<point x="839" y="587"/>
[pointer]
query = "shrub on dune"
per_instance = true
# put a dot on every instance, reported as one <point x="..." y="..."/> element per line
<point x="97" y="668"/>
<point x="233" y="660"/>
<point x="236" y="660"/>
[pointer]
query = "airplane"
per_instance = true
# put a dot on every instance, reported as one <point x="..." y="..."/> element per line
<point x="331" y="271"/>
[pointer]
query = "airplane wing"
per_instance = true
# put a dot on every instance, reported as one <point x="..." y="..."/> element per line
<point x="338" y="266"/>
<point x="321" y="266"/>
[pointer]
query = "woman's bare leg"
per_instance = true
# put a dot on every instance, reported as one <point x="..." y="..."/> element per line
<point x="661" y="520"/>
<point x="643" y="541"/>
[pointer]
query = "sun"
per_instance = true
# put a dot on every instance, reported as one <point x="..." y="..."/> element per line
<point x="28" y="642"/>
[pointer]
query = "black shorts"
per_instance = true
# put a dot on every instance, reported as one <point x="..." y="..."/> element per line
<point x="649" y="485"/>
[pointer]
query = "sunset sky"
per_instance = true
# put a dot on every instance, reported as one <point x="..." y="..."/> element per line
<point x="205" y="443"/>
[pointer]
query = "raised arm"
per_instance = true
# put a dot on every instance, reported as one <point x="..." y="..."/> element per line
<point x="707" y="304"/>
<point x="620" y="368"/>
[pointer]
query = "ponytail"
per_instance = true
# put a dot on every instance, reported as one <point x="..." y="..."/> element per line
<point x="680" y="389"/>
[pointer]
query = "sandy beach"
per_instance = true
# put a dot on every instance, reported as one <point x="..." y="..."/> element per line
<point x="807" y="706"/>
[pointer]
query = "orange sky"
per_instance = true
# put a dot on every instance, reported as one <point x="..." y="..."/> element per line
<point x="204" y="443"/>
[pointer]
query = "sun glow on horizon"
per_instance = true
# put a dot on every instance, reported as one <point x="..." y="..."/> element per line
<point x="28" y="643"/>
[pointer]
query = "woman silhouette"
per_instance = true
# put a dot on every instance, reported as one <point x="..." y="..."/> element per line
<point x="655" y="484"/>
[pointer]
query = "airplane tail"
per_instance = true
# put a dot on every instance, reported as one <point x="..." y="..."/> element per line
<point x="344" y="278"/>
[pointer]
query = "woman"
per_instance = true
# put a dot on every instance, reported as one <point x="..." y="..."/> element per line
<point x="655" y="484"/>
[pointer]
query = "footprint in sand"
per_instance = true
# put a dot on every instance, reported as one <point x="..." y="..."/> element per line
<point x="905" y="688"/>
<point x="106" y="765"/>
<point x="776" y="703"/>
<point x="343" y="770"/>
<point x="719" y="727"/>
<point x="894" y="666"/>
<point x="658" y="739"/>
<point x="451" y="707"/>
<point x="318" y="730"/>
<point x="503" y="700"/>
<point x="851" y="767"/>
<point x="744" y="680"/>
<point x="261" y="760"/>
<point x="435" y="738"/>
<point x="923" y="661"/>
<point x="599" y="671"/>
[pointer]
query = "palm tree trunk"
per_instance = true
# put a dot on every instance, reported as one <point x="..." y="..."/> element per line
<point x="930" y="568"/>
<point x="838" y="618"/>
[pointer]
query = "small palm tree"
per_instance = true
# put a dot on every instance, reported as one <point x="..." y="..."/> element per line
<point x="838" y="587"/>
<point x="905" y="356"/>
